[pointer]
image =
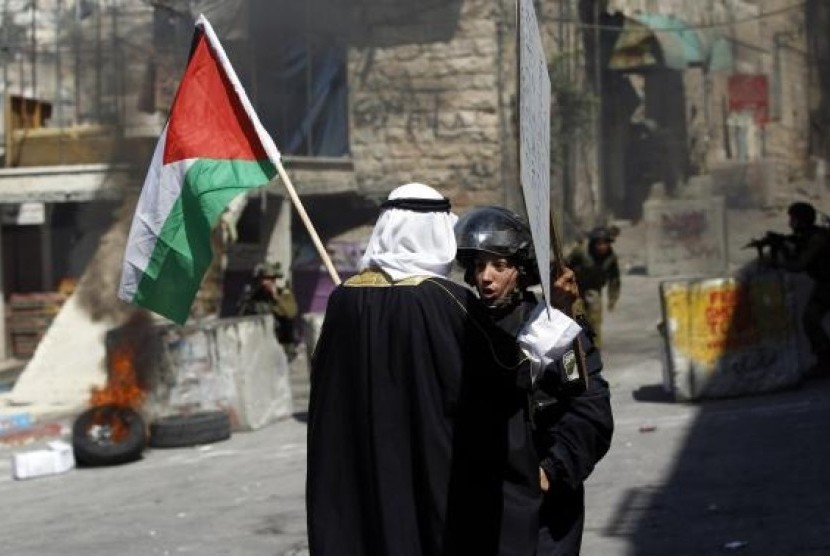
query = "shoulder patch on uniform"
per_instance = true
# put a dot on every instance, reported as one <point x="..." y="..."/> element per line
<point x="569" y="364"/>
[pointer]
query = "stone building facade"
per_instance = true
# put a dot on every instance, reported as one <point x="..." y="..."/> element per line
<point x="427" y="92"/>
<point x="741" y="121"/>
<point x="431" y="95"/>
<point x="436" y="107"/>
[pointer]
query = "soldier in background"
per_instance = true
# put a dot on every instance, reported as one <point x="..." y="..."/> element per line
<point x="596" y="267"/>
<point x="265" y="295"/>
<point x="809" y="252"/>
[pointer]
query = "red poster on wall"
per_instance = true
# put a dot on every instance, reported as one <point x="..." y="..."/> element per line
<point x="750" y="92"/>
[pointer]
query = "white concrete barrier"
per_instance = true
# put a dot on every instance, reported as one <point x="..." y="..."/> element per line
<point x="231" y="364"/>
<point x="732" y="336"/>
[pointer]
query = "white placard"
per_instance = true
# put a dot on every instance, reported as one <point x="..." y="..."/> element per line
<point x="534" y="136"/>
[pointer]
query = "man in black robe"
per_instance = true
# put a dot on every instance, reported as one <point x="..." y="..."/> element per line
<point x="412" y="390"/>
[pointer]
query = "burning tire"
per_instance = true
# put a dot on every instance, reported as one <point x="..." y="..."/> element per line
<point x="108" y="435"/>
<point x="177" y="431"/>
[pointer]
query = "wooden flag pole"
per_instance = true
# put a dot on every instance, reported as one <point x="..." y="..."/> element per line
<point x="308" y="225"/>
<point x="267" y="143"/>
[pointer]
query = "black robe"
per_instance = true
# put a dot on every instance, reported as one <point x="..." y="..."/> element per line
<point x="412" y="391"/>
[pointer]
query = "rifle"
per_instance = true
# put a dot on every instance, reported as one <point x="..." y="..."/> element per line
<point x="774" y="243"/>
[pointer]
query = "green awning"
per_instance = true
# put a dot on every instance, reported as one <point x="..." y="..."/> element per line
<point x="650" y="40"/>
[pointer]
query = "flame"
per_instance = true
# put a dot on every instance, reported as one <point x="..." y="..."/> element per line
<point x="122" y="387"/>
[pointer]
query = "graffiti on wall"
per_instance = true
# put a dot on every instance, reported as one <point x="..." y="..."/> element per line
<point x="418" y="112"/>
<point x="423" y="112"/>
<point x="684" y="225"/>
<point x="732" y="335"/>
<point x="685" y="236"/>
<point x="724" y="317"/>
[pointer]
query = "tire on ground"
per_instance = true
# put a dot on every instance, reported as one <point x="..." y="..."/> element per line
<point x="108" y="435"/>
<point x="190" y="430"/>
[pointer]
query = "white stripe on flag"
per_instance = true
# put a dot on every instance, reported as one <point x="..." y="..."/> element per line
<point x="161" y="190"/>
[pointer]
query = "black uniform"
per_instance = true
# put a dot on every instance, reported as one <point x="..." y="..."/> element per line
<point x="412" y="394"/>
<point x="811" y="254"/>
<point x="572" y="431"/>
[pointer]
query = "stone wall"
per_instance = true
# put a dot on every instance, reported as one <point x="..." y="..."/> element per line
<point x="431" y="111"/>
<point x="787" y="136"/>
<point x="685" y="237"/>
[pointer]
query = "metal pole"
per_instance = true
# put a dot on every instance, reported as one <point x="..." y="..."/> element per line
<point x="76" y="42"/>
<point x="6" y="52"/>
<point x="98" y="78"/>
<point x="599" y="193"/>
<point x="308" y="79"/>
<point x="58" y="97"/>
<point x="34" y="49"/>
<point x="116" y="92"/>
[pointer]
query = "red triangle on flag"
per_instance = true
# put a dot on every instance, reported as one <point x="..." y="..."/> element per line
<point x="207" y="119"/>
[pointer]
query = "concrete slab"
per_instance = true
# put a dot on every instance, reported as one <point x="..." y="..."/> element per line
<point x="63" y="184"/>
<point x="731" y="336"/>
<point x="234" y="364"/>
<point x="67" y="363"/>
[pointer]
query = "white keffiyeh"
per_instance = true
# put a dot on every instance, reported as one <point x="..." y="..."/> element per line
<point x="406" y="243"/>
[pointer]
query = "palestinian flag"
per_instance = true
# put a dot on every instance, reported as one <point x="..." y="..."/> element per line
<point x="212" y="149"/>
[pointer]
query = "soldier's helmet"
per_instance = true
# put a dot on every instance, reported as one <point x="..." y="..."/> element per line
<point x="602" y="233"/>
<point x="268" y="270"/>
<point x="499" y="232"/>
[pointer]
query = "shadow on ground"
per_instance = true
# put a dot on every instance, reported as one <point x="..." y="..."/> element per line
<point x="753" y="475"/>
<point x="653" y="393"/>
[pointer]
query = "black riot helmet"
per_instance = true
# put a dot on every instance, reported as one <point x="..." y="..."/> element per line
<point x="496" y="231"/>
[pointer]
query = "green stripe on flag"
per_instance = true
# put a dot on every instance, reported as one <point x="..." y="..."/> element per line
<point x="183" y="250"/>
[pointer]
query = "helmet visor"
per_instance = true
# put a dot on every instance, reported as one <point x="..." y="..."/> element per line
<point x="492" y="230"/>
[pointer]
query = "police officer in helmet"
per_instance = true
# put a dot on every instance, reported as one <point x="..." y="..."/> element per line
<point x="495" y="249"/>
<point x="570" y="419"/>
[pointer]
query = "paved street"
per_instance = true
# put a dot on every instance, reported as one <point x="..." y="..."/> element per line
<point x="243" y="496"/>
<point x="745" y="476"/>
<point x="697" y="479"/>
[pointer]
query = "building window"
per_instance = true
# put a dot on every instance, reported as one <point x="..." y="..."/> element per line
<point x="290" y="59"/>
<point x="299" y="78"/>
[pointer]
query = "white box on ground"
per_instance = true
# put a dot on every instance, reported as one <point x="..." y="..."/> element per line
<point x="59" y="458"/>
